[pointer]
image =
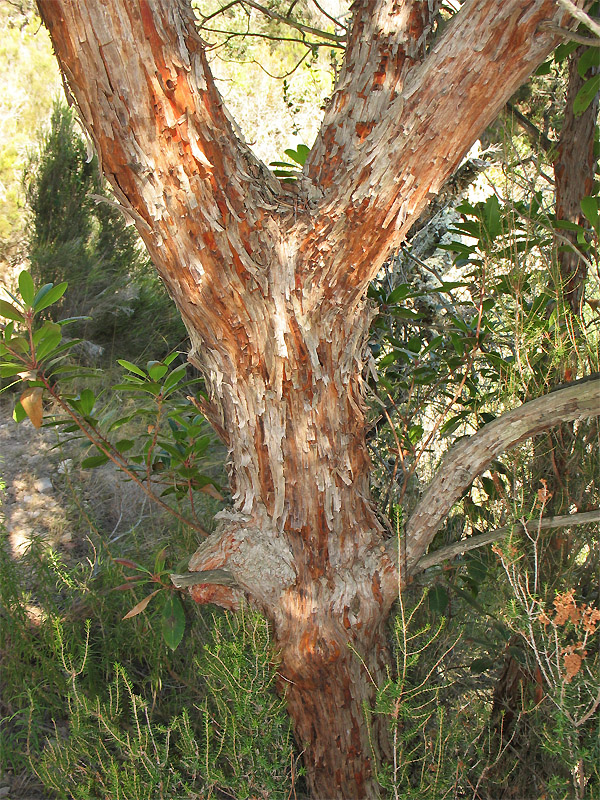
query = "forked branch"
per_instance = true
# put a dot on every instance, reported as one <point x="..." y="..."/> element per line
<point x="470" y="457"/>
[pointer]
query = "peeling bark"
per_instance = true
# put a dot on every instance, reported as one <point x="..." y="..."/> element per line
<point x="574" y="170"/>
<point x="270" y="282"/>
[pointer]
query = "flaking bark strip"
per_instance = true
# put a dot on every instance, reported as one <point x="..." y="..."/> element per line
<point x="218" y="576"/>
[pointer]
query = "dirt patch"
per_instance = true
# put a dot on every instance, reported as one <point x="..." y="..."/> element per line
<point x="30" y="469"/>
<point x="47" y="495"/>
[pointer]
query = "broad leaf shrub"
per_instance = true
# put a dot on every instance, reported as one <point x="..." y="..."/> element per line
<point x="165" y="452"/>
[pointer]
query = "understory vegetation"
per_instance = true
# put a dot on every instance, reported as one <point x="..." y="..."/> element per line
<point x="496" y="649"/>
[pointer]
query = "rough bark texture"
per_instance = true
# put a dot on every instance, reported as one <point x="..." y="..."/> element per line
<point x="574" y="171"/>
<point x="271" y="281"/>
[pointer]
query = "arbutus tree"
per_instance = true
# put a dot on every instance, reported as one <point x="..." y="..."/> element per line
<point x="271" y="279"/>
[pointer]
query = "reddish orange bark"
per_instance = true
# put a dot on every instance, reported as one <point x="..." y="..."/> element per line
<point x="271" y="285"/>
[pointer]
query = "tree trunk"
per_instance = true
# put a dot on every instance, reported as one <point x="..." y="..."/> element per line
<point x="271" y="281"/>
<point x="574" y="171"/>
<point x="304" y="542"/>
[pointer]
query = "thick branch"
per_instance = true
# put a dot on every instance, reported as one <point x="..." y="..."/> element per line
<point x="138" y="72"/>
<point x="475" y="542"/>
<point x="388" y="145"/>
<point x="386" y="40"/>
<point x="470" y="457"/>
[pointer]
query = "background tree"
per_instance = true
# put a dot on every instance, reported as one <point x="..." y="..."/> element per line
<point x="271" y="280"/>
<point x="78" y="234"/>
<point x="25" y="102"/>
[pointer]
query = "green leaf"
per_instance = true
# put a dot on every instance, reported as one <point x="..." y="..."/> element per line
<point x="544" y="69"/>
<point x="589" y="206"/>
<point x="491" y="217"/>
<point x="563" y="51"/>
<point x="123" y="445"/>
<point x="169" y="359"/>
<point x="52" y="295"/>
<point x="44" y="331"/>
<point x="448" y="286"/>
<point x="87" y="400"/>
<point x="299" y="155"/>
<point x="19" y="413"/>
<point x="489" y="487"/>
<point x="131" y="367"/>
<point x="438" y="599"/>
<point x="156" y="370"/>
<point x="406" y="313"/>
<point x="174" y="378"/>
<point x="452" y="424"/>
<point x="285" y="164"/>
<point x="415" y="433"/>
<point x="8" y="370"/>
<point x="26" y="287"/>
<point x="94" y="461"/>
<point x="48" y="346"/>
<point x="479" y="665"/>
<point x="565" y="224"/>
<point x="173" y="621"/>
<point x="42" y="292"/>
<point x="159" y="561"/>
<point x="399" y="293"/>
<point x="414" y="344"/>
<point x="586" y="94"/>
<point x="589" y="58"/>
<point x="8" y="311"/>
<point x="457" y="343"/>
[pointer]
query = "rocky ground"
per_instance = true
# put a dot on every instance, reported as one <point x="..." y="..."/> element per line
<point x="34" y="471"/>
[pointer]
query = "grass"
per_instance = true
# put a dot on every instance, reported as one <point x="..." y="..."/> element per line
<point x="96" y="706"/>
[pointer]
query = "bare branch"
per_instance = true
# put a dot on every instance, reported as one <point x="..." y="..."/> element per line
<point x="470" y="457"/>
<point x="216" y="576"/>
<point x="572" y="35"/>
<point x="242" y="34"/>
<point x="475" y="542"/>
<point x="329" y="17"/>
<point x="581" y="16"/>
<point x="299" y="26"/>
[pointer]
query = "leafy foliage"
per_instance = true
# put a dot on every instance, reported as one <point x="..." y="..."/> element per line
<point x="167" y="455"/>
<point x="78" y="234"/>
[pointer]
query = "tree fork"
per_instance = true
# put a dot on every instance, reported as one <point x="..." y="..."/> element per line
<point x="271" y="282"/>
